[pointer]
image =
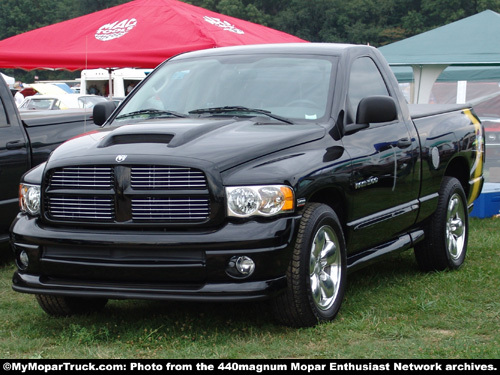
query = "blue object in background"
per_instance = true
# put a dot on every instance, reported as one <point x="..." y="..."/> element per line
<point x="488" y="203"/>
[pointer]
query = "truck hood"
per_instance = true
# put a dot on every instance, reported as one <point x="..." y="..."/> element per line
<point x="225" y="143"/>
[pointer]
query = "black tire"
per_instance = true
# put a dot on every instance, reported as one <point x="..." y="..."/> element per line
<point x="446" y="235"/>
<point x="66" y="306"/>
<point x="316" y="276"/>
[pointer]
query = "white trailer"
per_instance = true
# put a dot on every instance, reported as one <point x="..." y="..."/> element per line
<point x="100" y="81"/>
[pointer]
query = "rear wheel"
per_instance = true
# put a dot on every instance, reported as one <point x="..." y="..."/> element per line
<point x="65" y="306"/>
<point x="446" y="236"/>
<point x="316" y="274"/>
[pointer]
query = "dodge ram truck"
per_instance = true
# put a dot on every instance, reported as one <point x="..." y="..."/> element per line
<point x="27" y="141"/>
<point x="248" y="173"/>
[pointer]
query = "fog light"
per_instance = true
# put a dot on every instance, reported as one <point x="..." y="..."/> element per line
<point x="240" y="267"/>
<point x="23" y="260"/>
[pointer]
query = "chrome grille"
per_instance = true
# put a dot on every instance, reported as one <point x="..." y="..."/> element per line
<point x="156" y="177"/>
<point x="80" y="208"/>
<point x="125" y="194"/>
<point x="82" y="178"/>
<point x="170" y="209"/>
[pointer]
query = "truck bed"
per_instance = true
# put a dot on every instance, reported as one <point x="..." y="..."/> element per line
<point x="54" y="117"/>
<point x="425" y="110"/>
<point x="48" y="129"/>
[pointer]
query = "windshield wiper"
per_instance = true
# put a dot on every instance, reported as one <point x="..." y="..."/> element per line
<point x="240" y="109"/>
<point x="153" y="113"/>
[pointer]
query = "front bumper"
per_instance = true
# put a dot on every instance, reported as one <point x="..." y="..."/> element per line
<point x="153" y="264"/>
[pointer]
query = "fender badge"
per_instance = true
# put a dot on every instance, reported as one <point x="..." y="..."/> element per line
<point x="120" y="158"/>
<point x="435" y="157"/>
<point x="365" y="183"/>
<point x="301" y="202"/>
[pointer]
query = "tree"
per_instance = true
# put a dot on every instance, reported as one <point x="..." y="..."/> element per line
<point x="90" y="6"/>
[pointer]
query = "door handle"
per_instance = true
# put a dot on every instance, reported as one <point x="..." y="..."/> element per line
<point x="404" y="143"/>
<point x="15" y="145"/>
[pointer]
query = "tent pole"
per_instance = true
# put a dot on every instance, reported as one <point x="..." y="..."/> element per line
<point x="110" y="83"/>
<point x="417" y="80"/>
<point x="425" y="76"/>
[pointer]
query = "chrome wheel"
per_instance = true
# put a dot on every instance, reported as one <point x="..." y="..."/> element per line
<point x="316" y="274"/>
<point x="446" y="233"/>
<point x="325" y="268"/>
<point x="455" y="227"/>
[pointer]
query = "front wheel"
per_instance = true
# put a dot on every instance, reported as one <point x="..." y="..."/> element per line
<point x="446" y="236"/>
<point x="316" y="275"/>
<point x="66" y="306"/>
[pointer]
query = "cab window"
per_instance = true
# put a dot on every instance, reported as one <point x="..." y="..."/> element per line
<point x="3" y="116"/>
<point x="364" y="80"/>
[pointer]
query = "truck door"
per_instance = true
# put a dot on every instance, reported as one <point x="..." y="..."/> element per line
<point x="13" y="163"/>
<point x="384" y="182"/>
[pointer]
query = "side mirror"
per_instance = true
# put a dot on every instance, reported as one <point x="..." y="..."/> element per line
<point x="374" y="109"/>
<point x="102" y="111"/>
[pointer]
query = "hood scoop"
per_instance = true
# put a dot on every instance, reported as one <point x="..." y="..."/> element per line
<point x="123" y="139"/>
<point x="132" y="135"/>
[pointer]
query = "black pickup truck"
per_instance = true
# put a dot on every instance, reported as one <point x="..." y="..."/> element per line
<point x="26" y="141"/>
<point x="245" y="173"/>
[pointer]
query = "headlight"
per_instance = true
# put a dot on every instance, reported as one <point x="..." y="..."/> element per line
<point x="29" y="198"/>
<point x="246" y="201"/>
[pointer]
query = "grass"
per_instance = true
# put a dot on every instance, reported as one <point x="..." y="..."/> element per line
<point x="391" y="310"/>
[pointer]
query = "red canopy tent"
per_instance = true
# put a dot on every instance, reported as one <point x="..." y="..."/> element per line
<point x="138" y="34"/>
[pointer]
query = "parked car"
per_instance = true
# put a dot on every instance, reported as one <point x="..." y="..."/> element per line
<point x="492" y="164"/>
<point x="117" y="99"/>
<point x="65" y="101"/>
<point x="492" y="129"/>
<point x="26" y="140"/>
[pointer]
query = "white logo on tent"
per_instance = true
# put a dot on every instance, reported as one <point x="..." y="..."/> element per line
<point x="115" y="30"/>
<point x="223" y="24"/>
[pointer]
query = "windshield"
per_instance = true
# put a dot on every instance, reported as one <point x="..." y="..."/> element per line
<point x="38" y="103"/>
<point x="89" y="101"/>
<point x="288" y="87"/>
